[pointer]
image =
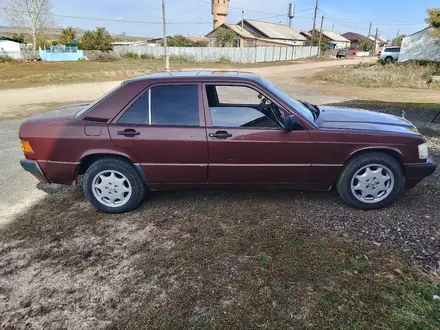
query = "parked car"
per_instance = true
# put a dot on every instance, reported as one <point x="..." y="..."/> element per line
<point x="389" y="54"/>
<point x="222" y="129"/>
<point x="341" y="53"/>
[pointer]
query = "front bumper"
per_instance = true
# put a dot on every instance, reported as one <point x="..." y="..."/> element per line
<point x="415" y="173"/>
<point x="32" y="167"/>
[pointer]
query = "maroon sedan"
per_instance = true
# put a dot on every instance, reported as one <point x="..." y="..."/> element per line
<point x="222" y="129"/>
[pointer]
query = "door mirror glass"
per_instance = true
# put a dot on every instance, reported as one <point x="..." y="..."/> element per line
<point x="291" y="123"/>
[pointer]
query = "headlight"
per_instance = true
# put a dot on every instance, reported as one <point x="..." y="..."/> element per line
<point x="423" y="151"/>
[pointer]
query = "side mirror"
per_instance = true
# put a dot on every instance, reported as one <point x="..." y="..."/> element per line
<point x="291" y="122"/>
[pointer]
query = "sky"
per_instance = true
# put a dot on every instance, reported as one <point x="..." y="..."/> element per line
<point x="341" y="15"/>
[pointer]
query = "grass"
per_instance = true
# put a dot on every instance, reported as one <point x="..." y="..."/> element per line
<point x="410" y="75"/>
<point x="202" y="260"/>
<point x="27" y="74"/>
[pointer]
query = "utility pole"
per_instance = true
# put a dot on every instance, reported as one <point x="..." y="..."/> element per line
<point x="398" y="31"/>
<point x="165" y="42"/>
<point x="320" y="37"/>
<point x="333" y="28"/>
<point x="375" y="40"/>
<point x="369" y="30"/>
<point x="314" y="27"/>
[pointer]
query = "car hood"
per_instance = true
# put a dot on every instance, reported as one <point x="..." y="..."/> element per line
<point x="354" y="119"/>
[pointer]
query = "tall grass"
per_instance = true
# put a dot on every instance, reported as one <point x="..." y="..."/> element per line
<point x="409" y="75"/>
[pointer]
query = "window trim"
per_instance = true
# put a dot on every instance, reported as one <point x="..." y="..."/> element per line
<point x="147" y="89"/>
<point x="238" y="84"/>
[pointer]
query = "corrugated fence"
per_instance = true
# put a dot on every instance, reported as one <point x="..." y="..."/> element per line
<point x="216" y="54"/>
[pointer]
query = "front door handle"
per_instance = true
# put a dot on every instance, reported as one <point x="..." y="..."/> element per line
<point x="220" y="135"/>
<point x="128" y="132"/>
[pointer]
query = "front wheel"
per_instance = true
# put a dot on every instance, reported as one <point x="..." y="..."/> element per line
<point x="112" y="185"/>
<point x="370" y="181"/>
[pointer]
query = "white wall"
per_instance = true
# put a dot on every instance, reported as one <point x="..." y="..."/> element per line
<point x="341" y="44"/>
<point x="233" y="54"/>
<point x="420" y="47"/>
<point x="11" y="49"/>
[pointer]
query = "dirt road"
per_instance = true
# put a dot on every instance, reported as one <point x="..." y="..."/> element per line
<point x="18" y="103"/>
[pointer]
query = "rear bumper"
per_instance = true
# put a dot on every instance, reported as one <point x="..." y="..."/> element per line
<point x="32" y="167"/>
<point x="415" y="173"/>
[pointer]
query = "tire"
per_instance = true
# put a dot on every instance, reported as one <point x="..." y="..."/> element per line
<point x="125" y="189"/>
<point x="357" y="167"/>
<point x="389" y="59"/>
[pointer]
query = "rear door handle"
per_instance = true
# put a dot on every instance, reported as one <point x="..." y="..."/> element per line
<point x="128" y="132"/>
<point x="220" y="135"/>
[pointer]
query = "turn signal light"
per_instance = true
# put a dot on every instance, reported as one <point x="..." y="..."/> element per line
<point x="26" y="147"/>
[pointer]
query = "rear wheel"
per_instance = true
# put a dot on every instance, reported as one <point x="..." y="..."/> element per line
<point x="112" y="185"/>
<point x="370" y="181"/>
<point x="389" y="59"/>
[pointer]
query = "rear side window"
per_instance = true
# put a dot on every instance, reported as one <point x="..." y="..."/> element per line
<point x="176" y="105"/>
<point x="392" y="50"/>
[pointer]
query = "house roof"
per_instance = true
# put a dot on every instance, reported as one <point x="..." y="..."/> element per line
<point x="426" y="29"/>
<point x="353" y="36"/>
<point x="333" y="36"/>
<point x="379" y="38"/>
<point x="241" y="32"/>
<point x="275" y="31"/>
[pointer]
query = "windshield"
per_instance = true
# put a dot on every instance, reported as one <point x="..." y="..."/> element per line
<point x="306" y="113"/>
<point x="91" y="105"/>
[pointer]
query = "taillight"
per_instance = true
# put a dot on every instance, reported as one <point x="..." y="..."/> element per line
<point x="26" y="147"/>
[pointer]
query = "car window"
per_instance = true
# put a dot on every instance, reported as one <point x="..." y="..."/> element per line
<point x="138" y="113"/>
<point x="237" y="95"/>
<point x="176" y="105"/>
<point x="240" y="117"/>
<point x="392" y="50"/>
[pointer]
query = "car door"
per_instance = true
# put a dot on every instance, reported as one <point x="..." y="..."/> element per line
<point x="247" y="145"/>
<point x="164" y="128"/>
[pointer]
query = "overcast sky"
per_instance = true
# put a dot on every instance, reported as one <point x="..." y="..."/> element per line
<point x="345" y="15"/>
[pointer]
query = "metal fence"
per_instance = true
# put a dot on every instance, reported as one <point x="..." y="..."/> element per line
<point x="216" y="54"/>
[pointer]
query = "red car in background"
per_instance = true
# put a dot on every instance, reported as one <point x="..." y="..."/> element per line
<point x="222" y="129"/>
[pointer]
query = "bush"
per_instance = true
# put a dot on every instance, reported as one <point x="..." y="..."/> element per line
<point x="131" y="55"/>
<point x="147" y="57"/>
<point x="5" y="59"/>
<point x="96" y="40"/>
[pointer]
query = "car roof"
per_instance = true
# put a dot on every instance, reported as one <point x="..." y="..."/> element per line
<point x="196" y="75"/>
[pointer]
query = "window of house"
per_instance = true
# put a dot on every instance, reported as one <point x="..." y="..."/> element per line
<point x="239" y="106"/>
<point x="249" y="43"/>
<point x="176" y="105"/>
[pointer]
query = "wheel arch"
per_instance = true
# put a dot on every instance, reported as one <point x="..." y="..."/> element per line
<point x="88" y="159"/>
<point x="393" y="152"/>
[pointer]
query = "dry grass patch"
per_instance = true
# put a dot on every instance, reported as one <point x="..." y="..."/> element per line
<point x="410" y="75"/>
<point x="236" y="260"/>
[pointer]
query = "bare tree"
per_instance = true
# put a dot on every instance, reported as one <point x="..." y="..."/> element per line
<point x="32" y="16"/>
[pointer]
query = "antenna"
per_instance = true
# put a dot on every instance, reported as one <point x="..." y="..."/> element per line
<point x="291" y="13"/>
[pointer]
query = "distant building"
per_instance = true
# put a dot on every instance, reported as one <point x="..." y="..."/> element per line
<point x="380" y="42"/>
<point x="220" y="9"/>
<point x="11" y="48"/>
<point x="355" y="39"/>
<point x="335" y="40"/>
<point x="258" y="33"/>
<point x="420" y="46"/>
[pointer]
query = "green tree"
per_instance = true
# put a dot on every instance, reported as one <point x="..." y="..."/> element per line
<point x="99" y="39"/>
<point x="179" y="41"/>
<point x="433" y="20"/>
<point x="225" y="38"/>
<point x="366" y="44"/>
<point x="325" y="42"/>
<point x="19" y="37"/>
<point x="67" y="36"/>
<point x="398" y="41"/>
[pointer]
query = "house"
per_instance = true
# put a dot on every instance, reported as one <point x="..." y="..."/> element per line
<point x="355" y="39"/>
<point x="251" y="33"/>
<point x="420" y="46"/>
<point x="335" y="40"/>
<point x="11" y="48"/>
<point x="380" y="42"/>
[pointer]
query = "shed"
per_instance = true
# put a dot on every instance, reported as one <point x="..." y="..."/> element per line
<point x="11" y="48"/>
<point x="420" y="46"/>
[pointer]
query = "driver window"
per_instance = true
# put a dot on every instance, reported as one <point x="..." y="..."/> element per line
<point x="239" y="106"/>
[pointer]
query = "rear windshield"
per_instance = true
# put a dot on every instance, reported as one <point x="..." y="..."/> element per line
<point x="102" y="98"/>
